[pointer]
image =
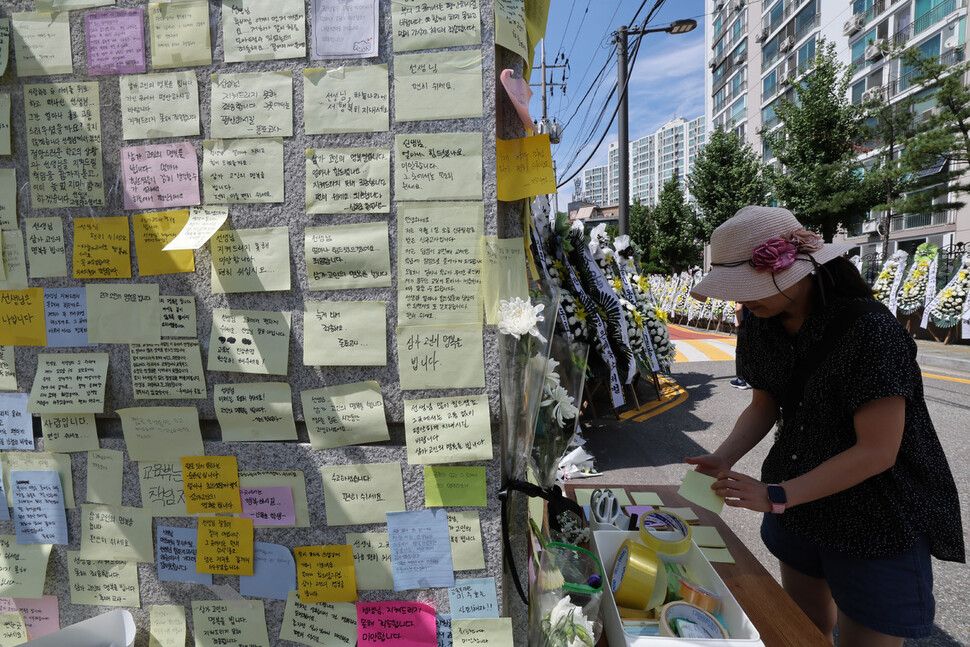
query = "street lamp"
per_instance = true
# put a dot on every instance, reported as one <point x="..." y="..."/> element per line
<point x="623" y="125"/>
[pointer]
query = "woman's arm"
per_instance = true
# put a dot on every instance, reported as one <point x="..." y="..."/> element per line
<point x="753" y="424"/>
<point x="879" y="434"/>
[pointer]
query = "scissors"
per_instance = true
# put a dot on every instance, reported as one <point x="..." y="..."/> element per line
<point x="604" y="507"/>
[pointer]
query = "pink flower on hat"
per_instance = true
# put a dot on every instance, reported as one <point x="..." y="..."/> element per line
<point x="807" y="242"/>
<point x="774" y="255"/>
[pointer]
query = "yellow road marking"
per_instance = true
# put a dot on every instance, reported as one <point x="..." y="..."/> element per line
<point x="713" y="353"/>
<point x="670" y="405"/>
<point x="946" y="377"/>
<point x="679" y="356"/>
<point x="671" y="394"/>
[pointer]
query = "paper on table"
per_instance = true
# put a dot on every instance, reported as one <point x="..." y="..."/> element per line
<point x="23" y="316"/>
<point x="438" y="85"/>
<point x="66" y="311"/>
<point x="443" y="166"/>
<point x="341" y="257"/>
<point x="696" y="488"/>
<point x="116" y="532"/>
<point x="38" y="507"/>
<point x="359" y="494"/>
<point x="345" y="333"/>
<point x="124" y="314"/>
<point x="454" y="486"/>
<point x="178" y="316"/>
<point x="473" y="598"/>
<point x="268" y="506"/>
<point x="249" y="341"/>
<point x="412" y="17"/>
<point x="372" y="560"/>
<point x="524" y="167"/>
<point x="42" y="42"/>
<point x="202" y="224"/>
<point x="8" y="369"/>
<point x="29" y="461"/>
<point x="8" y="176"/>
<point x="16" y="425"/>
<point x="101" y="248"/>
<point x="13" y="631"/>
<point x="14" y="261"/>
<point x="717" y="555"/>
<point x="412" y="621"/>
<point x="481" y="632"/>
<point x="321" y="623"/>
<point x="99" y="582"/>
<point x="162" y="491"/>
<point x="115" y="41"/>
<point x="326" y="574"/>
<point x="211" y="618"/>
<point x="510" y="30"/>
<point x="348" y="180"/>
<point x="346" y="99"/>
<point x="441" y="357"/>
<point x="503" y="275"/>
<point x="259" y="104"/>
<point x="161" y="433"/>
<point x="344" y="29"/>
<point x="707" y="536"/>
<point x="153" y="231"/>
<point x="250" y="260"/>
<point x="274" y="573"/>
<point x="225" y="546"/>
<point x="175" y="555"/>
<point x="466" y="540"/>
<point x="171" y="369"/>
<point x="255" y="411"/>
<point x="180" y="34"/>
<point x="69" y="433"/>
<point x="211" y="484"/>
<point x="23" y="568"/>
<point x="167" y="628"/>
<point x="253" y="30"/>
<point x="159" y="105"/>
<point x="242" y="171"/>
<point x="39" y="614"/>
<point x="646" y="498"/>
<point x="292" y="479"/>
<point x="105" y="475"/>
<point x="583" y="495"/>
<point x="448" y="430"/>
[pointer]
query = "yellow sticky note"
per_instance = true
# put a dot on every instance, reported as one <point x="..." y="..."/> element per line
<point x="211" y="484"/>
<point x="225" y="545"/>
<point x="345" y="333"/>
<point x="23" y="568"/>
<point x="346" y="414"/>
<point x="438" y="85"/>
<point x="325" y="574"/>
<point x="8" y="369"/>
<point x="707" y="536"/>
<point x="372" y="560"/>
<point x="340" y="257"/>
<point x="242" y="171"/>
<point x="161" y="433"/>
<point x="348" y="180"/>
<point x="167" y="625"/>
<point x="249" y="341"/>
<point x="99" y="582"/>
<point x="524" y="167"/>
<point x="69" y="383"/>
<point x="717" y="555"/>
<point x="152" y="232"/>
<point x="503" y="275"/>
<point x="646" y="498"/>
<point x="14" y="261"/>
<point x="441" y="357"/>
<point x="454" y="486"/>
<point x="24" y="322"/>
<point x="450" y="163"/>
<point x="117" y="532"/>
<point x="8" y="176"/>
<point x="411" y="17"/>
<point x="105" y="476"/>
<point x="69" y="433"/>
<point x="162" y="491"/>
<point x="255" y="411"/>
<point x="46" y="255"/>
<point x="13" y="631"/>
<point x="171" y="369"/>
<point x="686" y="514"/>
<point x="696" y="488"/>
<point x="123" y="314"/>
<point x="101" y="248"/>
<point x="293" y="479"/>
<point x="236" y="114"/>
<point x="448" y="430"/>
<point x="159" y="105"/>
<point x="322" y="623"/>
<point x="510" y="28"/>
<point x="60" y="463"/>
<point x="250" y="260"/>
<point x="259" y="31"/>
<point x="210" y="618"/>
<point x="346" y="99"/>
<point x="481" y="632"/>
<point x="358" y="494"/>
<point x="42" y="42"/>
<point x="465" y="529"/>
<point x="178" y="316"/>
<point x="179" y="34"/>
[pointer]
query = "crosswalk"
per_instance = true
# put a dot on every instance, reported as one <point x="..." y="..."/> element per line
<point x="705" y="350"/>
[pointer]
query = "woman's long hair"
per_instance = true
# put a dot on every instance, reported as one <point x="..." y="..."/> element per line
<point x="839" y="279"/>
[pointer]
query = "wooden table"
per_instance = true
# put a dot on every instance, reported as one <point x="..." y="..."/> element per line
<point x="776" y="616"/>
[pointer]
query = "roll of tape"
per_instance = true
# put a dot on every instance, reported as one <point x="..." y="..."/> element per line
<point x="635" y="575"/>
<point x="699" y="596"/>
<point x="702" y="624"/>
<point x="665" y="532"/>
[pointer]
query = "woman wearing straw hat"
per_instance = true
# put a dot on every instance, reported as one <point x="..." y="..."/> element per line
<point x="856" y="488"/>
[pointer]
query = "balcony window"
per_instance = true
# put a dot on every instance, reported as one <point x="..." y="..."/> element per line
<point x="805" y="54"/>
<point x="805" y="17"/>
<point x="930" y="48"/>
<point x="769" y="51"/>
<point x="857" y="90"/>
<point x="768" y="85"/>
<point x="929" y="12"/>
<point x="859" y="48"/>
<point x="775" y="15"/>
<point x="861" y="6"/>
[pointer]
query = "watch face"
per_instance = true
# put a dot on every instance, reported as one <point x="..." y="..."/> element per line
<point x="776" y="494"/>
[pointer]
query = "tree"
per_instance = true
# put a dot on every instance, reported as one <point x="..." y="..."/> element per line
<point x="675" y="227"/>
<point x="642" y="234"/>
<point x="821" y="181"/>
<point x="727" y="175"/>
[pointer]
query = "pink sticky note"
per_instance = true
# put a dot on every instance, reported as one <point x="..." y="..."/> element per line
<point x="520" y="93"/>
<point x="268" y="506"/>
<point x="116" y="41"/>
<point x="413" y="623"/>
<point x="163" y="175"/>
<point x="40" y="615"/>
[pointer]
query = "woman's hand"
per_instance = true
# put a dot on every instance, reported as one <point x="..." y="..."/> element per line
<point x="740" y="491"/>
<point x="710" y="464"/>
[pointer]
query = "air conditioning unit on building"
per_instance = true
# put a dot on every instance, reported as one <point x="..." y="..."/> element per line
<point x="852" y="25"/>
<point x="874" y="50"/>
<point x="869" y="227"/>
<point x="951" y="42"/>
<point x="740" y="58"/>
<point x="736" y="5"/>
<point x="873" y="94"/>
<point x="718" y="5"/>
<point x="762" y="35"/>
<point x="712" y="63"/>
<point x="787" y="44"/>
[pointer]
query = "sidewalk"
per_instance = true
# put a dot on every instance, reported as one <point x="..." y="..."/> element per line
<point x="935" y="354"/>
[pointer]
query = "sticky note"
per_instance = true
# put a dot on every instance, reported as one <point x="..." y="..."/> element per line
<point x="8" y="369"/>
<point x="348" y="180"/>
<point x="450" y="166"/>
<point x="66" y="311"/>
<point x="260" y="31"/>
<point x="372" y="560"/>
<point x="503" y="275"/>
<point x="249" y="341"/>
<point x="445" y="430"/>
<point x="175" y="555"/>
<point x="420" y="549"/>
<point x="274" y="573"/>
<point x="524" y="167"/>
<point x="167" y="628"/>
<point x="23" y="568"/>
<point x="411" y="17"/>
<point x="178" y="316"/>
<point x="358" y="33"/>
<point x="179" y="34"/>
<point x="167" y="370"/>
<point x="42" y="42"/>
<point x="454" y="486"/>
<point x="225" y="546"/>
<point x="117" y="532"/>
<point x="258" y="104"/>
<point x="8" y="176"/>
<point x="707" y="536"/>
<point x="16" y="425"/>
<point x="101" y="248"/>
<point x="250" y="260"/>
<point x="340" y="257"/>
<point x="4" y="44"/>
<point x="153" y="231"/>
<point x="647" y="498"/>
<point x="412" y="621"/>
<point x="346" y="99"/>
<point x="105" y="476"/>
<point x="38" y="507"/>
<point x="13" y="631"/>
<point x="159" y="105"/>
<point x="473" y="598"/>
<point x="696" y="488"/>
<point x="239" y="171"/>
<point x="346" y="414"/>
<point x="359" y="494"/>
<point x="465" y="529"/>
<point x="69" y="433"/>
<point x="98" y="582"/>
<point x="255" y="411"/>
<point x="444" y="629"/>
<point x="268" y="506"/>
<point x="438" y="85"/>
<point x="60" y="464"/>
<point x="203" y="222"/>
<point x="211" y="484"/>
<point x="345" y="333"/>
<point x="321" y="623"/>
<point x="583" y="495"/>
<point x="14" y="261"/>
<point x="211" y="622"/>
<point x="162" y="491"/>
<point x="160" y="433"/>
<point x="510" y="27"/>
<point x="686" y="514"/>
<point x="115" y="41"/>
<point x="39" y="614"/>
<point x="292" y="479"/>
<point x="24" y="321"/>
<point x="325" y="574"/>
<point x="441" y="357"/>
<point x="124" y="314"/>
<point x="46" y="251"/>
<point x="490" y="632"/>
<point x="717" y="555"/>
<point x="69" y="383"/>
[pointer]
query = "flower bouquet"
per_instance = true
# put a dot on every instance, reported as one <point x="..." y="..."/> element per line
<point x="946" y="308"/>
<point x="913" y="292"/>
<point x="564" y="604"/>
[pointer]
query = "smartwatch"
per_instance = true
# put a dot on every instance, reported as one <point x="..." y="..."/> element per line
<point x="776" y="494"/>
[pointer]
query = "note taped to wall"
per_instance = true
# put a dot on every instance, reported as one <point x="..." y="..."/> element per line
<point x="504" y="275"/>
<point x="345" y="333"/>
<point x="420" y="549"/>
<point x="274" y="572"/>
<point x="8" y="369"/>
<point x="101" y="248"/>
<point x="42" y="42"/>
<point x="372" y="560"/>
<point x="342" y="257"/>
<point x="441" y="357"/>
<point x="46" y="253"/>
<point x="161" y="175"/>
<point x="438" y="85"/>
<point x="180" y="34"/>
<point x="162" y="490"/>
<point x="8" y="176"/>
<point x="203" y="222"/>
<point x="348" y="180"/>
<point x="178" y="316"/>
<point x="168" y="370"/>
<point x="238" y="171"/>
<point x="325" y="574"/>
<point x="423" y="25"/>
<point x="257" y="411"/>
<point x="346" y="99"/>
<point x="249" y="341"/>
<point x="175" y="554"/>
<point x="69" y="432"/>
<point x="358" y="494"/>
<point x="161" y="433"/>
<point x="123" y="314"/>
<point x="159" y="105"/>
<point x="23" y="323"/>
<point x="465" y="529"/>
<point x="333" y="624"/>
<point x="225" y="544"/>
<point x="443" y="166"/>
<point x="250" y="260"/>
<point x="259" y="31"/>
<point x="447" y="485"/>
<point x="292" y="479"/>
<point x="14" y="261"/>
<point x="524" y="167"/>
<point x="347" y="29"/>
<point x="167" y="625"/>
<point x="487" y="632"/>
<point x="510" y="30"/>
<point x="258" y="104"/>
<point x="23" y="568"/>
<point x="448" y="430"/>
<point x="212" y="485"/>
<point x="105" y="474"/>
<point x="345" y="414"/>
<point x="115" y="41"/>
<point x="69" y="383"/>
<point x="215" y="623"/>
<point x="116" y="532"/>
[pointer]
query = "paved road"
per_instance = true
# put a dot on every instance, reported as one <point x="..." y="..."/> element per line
<point x="652" y="451"/>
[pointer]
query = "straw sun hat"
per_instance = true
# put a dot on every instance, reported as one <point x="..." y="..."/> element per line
<point x="759" y="252"/>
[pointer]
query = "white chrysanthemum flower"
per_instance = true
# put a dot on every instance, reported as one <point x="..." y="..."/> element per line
<point x="563" y="408"/>
<point x="518" y="317"/>
<point x="569" y="619"/>
<point x="577" y="226"/>
<point x="548" y="366"/>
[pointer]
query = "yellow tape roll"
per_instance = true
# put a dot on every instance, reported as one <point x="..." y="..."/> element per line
<point x="703" y="625"/>
<point x="665" y="532"/>
<point x="636" y="574"/>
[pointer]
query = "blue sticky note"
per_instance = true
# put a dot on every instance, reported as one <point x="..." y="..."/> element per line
<point x="444" y="629"/>
<point x="274" y="572"/>
<point x="420" y="549"/>
<point x="16" y="425"/>
<point x="175" y="556"/>
<point x="66" y="310"/>
<point x="38" y="507"/>
<point x="474" y="598"/>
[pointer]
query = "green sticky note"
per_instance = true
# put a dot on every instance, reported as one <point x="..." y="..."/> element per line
<point x="646" y="498"/>
<point x="583" y="495"/>
<point x="707" y="536"/>
<point x="686" y="514"/>
<point x="454" y="486"/>
<point x="105" y="476"/>
<point x="717" y="555"/>
<point x="696" y="488"/>
<point x="490" y="632"/>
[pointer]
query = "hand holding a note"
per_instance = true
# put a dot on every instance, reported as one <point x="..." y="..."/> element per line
<point x="710" y="464"/>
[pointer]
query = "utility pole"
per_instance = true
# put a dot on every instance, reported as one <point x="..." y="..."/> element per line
<point x="623" y="134"/>
<point x="552" y="128"/>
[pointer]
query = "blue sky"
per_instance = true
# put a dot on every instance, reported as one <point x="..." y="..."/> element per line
<point x="667" y="80"/>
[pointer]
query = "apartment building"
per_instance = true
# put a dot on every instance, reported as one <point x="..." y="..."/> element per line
<point x="596" y="185"/>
